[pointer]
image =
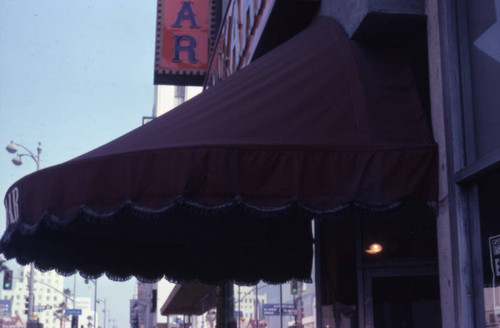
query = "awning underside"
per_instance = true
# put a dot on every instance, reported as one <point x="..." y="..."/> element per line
<point x="190" y="299"/>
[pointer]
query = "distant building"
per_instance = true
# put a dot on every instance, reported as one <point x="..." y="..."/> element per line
<point x="143" y="308"/>
<point x="85" y="304"/>
<point x="245" y="304"/>
<point x="48" y="287"/>
<point x="169" y="96"/>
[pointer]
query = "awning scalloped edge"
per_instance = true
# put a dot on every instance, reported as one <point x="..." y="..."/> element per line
<point x="83" y="226"/>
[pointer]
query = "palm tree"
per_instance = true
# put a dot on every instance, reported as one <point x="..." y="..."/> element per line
<point x="59" y="312"/>
<point x="3" y="266"/>
<point x="90" y="323"/>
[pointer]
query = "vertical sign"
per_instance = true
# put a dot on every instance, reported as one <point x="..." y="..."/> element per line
<point x="183" y="35"/>
<point x="495" y="255"/>
<point x="495" y="268"/>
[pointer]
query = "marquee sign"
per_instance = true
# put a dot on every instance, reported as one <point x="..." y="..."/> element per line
<point x="184" y="33"/>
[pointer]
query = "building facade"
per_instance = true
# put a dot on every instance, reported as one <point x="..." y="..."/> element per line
<point x="169" y="96"/>
<point x="466" y="121"/>
<point x="86" y="319"/>
<point x="445" y="271"/>
<point x="48" y="288"/>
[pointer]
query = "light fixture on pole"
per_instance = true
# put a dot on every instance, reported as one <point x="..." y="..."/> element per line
<point x="12" y="147"/>
<point x="17" y="160"/>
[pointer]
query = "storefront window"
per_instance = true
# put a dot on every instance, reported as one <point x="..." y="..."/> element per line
<point x="290" y="305"/>
<point x="482" y="19"/>
<point x="489" y="206"/>
<point x="411" y="236"/>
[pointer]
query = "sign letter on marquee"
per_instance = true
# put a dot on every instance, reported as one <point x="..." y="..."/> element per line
<point x="190" y="48"/>
<point x="186" y="12"/>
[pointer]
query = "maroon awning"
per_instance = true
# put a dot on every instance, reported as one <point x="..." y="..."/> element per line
<point x="224" y="186"/>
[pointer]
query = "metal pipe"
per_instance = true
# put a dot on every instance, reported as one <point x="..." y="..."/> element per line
<point x="104" y="318"/>
<point x="95" y="302"/>
<point x="281" y="305"/>
<point x="31" y="297"/>
<point x="74" y="292"/>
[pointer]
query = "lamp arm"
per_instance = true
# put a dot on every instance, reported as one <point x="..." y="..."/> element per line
<point x="55" y="289"/>
<point x="30" y="154"/>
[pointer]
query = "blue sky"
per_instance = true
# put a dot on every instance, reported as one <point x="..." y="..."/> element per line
<point x="73" y="75"/>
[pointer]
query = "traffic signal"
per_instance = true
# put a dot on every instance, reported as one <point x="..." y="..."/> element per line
<point x="26" y="305"/>
<point x="7" y="279"/>
<point x="294" y="287"/>
<point x="74" y="321"/>
<point x="154" y="297"/>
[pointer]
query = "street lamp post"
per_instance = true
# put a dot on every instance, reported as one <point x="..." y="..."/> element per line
<point x="95" y="298"/>
<point x="103" y="311"/>
<point x="95" y="302"/>
<point x="17" y="160"/>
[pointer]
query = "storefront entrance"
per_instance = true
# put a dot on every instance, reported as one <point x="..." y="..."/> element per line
<point x="380" y="273"/>
<point x="401" y="297"/>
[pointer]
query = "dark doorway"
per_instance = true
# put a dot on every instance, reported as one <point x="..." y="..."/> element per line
<point x="402" y="298"/>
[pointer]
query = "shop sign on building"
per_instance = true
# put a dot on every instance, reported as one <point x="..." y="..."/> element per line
<point x="11" y="322"/>
<point x="238" y="37"/>
<point x="492" y="293"/>
<point x="183" y="41"/>
<point x="83" y="303"/>
<point x="5" y="308"/>
<point x="12" y="206"/>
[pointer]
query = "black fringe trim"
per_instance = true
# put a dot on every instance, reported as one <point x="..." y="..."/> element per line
<point x="152" y="244"/>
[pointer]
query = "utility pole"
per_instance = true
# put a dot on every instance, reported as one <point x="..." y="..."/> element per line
<point x="17" y="160"/>
<point x="103" y="311"/>
<point x="31" y="296"/>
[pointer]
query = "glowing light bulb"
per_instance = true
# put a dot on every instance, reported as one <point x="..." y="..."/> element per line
<point x="374" y="249"/>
